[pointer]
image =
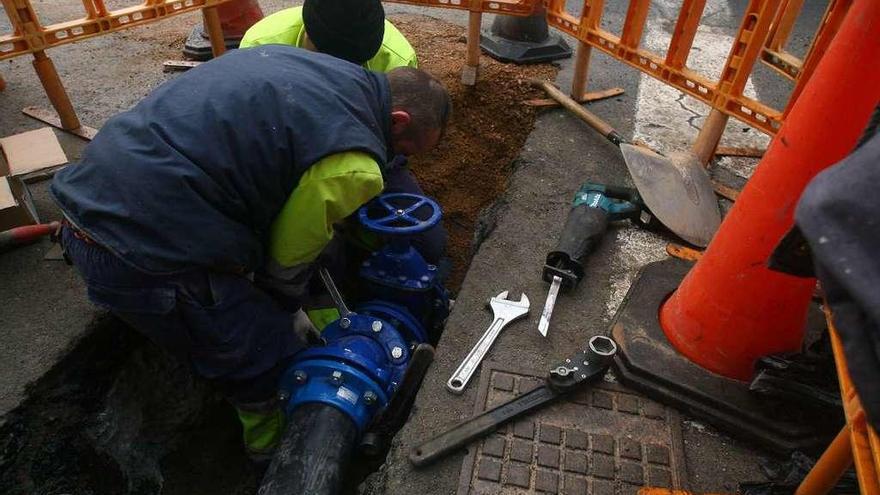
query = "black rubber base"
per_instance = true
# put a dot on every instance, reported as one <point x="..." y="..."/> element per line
<point x="524" y="52"/>
<point x="198" y="46"/>
<point x="646" y="361"/>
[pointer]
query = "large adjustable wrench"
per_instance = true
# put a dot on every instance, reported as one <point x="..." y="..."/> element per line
<point x="504" y="312"/>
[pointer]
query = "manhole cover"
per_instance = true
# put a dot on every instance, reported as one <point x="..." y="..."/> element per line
<point x="603" y="440"/>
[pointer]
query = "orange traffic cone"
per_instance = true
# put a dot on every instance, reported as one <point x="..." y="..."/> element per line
<point x="236" y="17"/>
<point x="696" y="350"/>
<point x="524" y="40"/>
<point x="731" y="309"/>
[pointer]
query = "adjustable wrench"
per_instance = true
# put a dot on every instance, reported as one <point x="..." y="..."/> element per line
<point x="504" y="312"/>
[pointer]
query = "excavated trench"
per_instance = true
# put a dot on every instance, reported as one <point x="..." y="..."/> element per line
<point x="117" y="415"/>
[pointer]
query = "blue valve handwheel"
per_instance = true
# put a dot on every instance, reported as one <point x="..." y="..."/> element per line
<point x="396" y="214"/>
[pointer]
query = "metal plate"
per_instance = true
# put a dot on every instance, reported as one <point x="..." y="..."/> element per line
<point x="602" y="440"/>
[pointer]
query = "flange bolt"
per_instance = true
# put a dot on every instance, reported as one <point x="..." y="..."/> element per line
<point x="336" y="378"/>
<point x="300" y="376"/>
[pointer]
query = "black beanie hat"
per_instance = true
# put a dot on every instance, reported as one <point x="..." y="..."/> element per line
<point x="348" y="29"/>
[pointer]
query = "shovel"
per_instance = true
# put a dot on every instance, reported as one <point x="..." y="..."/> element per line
<point x="676" y="188"/>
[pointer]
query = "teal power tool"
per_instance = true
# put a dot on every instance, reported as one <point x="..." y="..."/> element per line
<point x="594" y="206"/>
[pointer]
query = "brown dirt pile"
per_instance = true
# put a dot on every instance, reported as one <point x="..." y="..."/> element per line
<point x="468" y="171"/>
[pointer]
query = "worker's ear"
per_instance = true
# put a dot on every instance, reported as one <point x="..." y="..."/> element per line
<point x="400" y="121"/>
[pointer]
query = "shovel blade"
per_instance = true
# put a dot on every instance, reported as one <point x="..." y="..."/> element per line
<point x="677" y="190"/>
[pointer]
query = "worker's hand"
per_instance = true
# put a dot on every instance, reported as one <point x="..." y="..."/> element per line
<point x="305" y="329"/>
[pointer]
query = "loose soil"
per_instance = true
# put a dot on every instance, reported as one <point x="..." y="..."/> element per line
<point x="468" y="171"/>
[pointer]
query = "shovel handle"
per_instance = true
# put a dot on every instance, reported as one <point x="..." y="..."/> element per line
<point x="582" y="113"/>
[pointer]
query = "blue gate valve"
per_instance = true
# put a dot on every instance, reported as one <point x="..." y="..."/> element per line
<point x="397" y="217"/>
<point x="368" y="351"/>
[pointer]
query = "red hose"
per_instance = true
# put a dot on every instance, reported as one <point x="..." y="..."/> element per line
<point x="27" y="234"/>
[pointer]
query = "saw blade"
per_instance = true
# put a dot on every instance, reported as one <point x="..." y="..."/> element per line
<point x="544" y="324"/>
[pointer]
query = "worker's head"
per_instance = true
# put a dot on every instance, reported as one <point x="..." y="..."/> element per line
<point x="420" y="108"/>
<point x="348" y="29"/>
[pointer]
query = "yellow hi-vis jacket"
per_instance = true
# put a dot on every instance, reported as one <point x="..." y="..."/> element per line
<point x="285" y="27"/>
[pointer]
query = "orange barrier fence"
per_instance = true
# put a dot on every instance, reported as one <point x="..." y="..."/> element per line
<point x="764" y="31"/>
<point x="725" y="96"/>
<point x="775" y="54"/>
<point x="30" y="36"/>
<point x="856" y="445"/>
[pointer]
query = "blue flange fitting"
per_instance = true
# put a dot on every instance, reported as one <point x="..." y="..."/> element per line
<point x="357" y="371"/>
<point x="368" y="351"/>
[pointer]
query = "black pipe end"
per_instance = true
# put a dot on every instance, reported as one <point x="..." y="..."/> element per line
<point x="314" y="452"/>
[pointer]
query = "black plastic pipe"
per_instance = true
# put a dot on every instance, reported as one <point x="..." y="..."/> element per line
<point x="313" y="454"/>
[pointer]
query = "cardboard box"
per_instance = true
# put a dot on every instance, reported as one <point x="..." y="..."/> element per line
<point x="16" y="205"/>
<point x="32" y="151"/>
<point x="28" y="154"/>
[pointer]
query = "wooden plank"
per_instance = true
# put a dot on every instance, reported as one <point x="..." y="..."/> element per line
<point x="179" y="65"/>
<point x="586" y="98"/>
<point x="739" y="151"/>
<point x="49" y="117"/>
<point x="683" y="252"/>
<point x="725" y="191"/>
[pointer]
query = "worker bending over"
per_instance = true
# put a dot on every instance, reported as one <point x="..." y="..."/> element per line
<point x="357" y="31"/>
<point x="196" y="216"/>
